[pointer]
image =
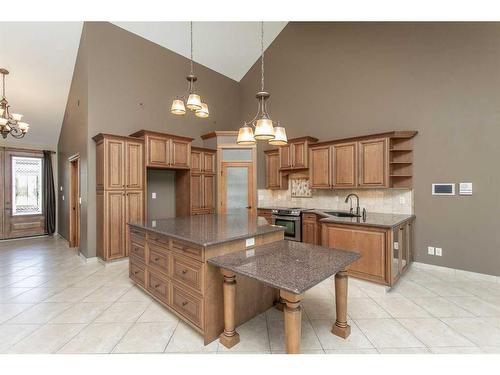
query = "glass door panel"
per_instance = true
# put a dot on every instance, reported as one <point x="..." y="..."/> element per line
<point x="237" y="188"/>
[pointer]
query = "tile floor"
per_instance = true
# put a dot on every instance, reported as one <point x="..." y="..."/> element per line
<point x="51" y="301"/>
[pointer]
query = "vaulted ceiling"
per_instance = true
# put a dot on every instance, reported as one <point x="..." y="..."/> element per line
<point x="41" y="57"/>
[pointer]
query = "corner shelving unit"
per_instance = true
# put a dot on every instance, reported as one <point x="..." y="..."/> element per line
<point x="401" y="160"/>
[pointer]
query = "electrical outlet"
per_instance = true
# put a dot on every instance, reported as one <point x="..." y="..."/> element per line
<point x="396" y="245"/>
<point x="439" y="251"/>
<point x="430" y="250"/>
<point x="250" y="242"/>
<point x="63" y="197"/>
<point x="153" y="195"/>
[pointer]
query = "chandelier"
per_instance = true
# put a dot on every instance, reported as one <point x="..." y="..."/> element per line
<point x="264" y="126"/>
<point x="193" y="102"/>
<point x="10" y="123"/>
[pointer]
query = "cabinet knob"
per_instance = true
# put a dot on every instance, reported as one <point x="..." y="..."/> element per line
<point x="157" y="259"/>
<point x="156" y="286"/>
<point x="184" y="272"/>
<point x="184" y="303"/>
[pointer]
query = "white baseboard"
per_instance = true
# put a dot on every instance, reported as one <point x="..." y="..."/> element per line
<point x="87" y="260"/>
<point x="453" y="271"/>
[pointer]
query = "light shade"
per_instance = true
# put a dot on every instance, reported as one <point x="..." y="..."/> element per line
<point x="203" y="111"/>
<point x="194" y="102"/>
<point x="280" y="138"/>
<point x="178" y="107"/>
<point x="17" y="116"/>
<point x="3" y="121"/>
<point x="264" y="129"/>
<point x="245" y="136"/>
<point x="23" y="126"/>
<point x="1" y="111"/>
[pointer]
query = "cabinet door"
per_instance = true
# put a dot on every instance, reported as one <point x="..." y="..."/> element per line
<point x="134" y="212"/>
<point x="99" y="166"/>
<point x="309" y="232"/>
<point x="158" y="151"/>
<point x="344" y="165"/>
<point x="272" y="171"/>
<point x="115" y="164"/>
<point x="369" y="243"/>
<point x="196" y="161"/>
<point x="115" y="224"/>
<point x="196" y="192"/>
<point x="208" y="162"/>
<point x="180" y="153"/>
<point x="134" y="168"/>
<point x="319" y="173"/>
<point x="299" y="157"/>
<point x="373" y="163"/>
<point x="208" y="192"/>
<point x="285" y="157"/>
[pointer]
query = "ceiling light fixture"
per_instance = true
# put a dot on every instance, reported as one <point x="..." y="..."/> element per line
<point x="10" y="123"/>
<point x="264" y="126"/>
<point x="193" y="102"/>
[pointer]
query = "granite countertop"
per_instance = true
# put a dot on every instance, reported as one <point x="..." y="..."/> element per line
<point x="291" y="266"/>
<point x="211" y="229"/>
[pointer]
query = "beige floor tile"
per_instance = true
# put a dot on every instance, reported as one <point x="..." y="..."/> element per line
<point x="478" y="331"/>
<point x="7" y="294"/>
<point x="490" y="349"/>
<point x="456" y="350"/>
<point x="319" y="308"/>
<point x="96" y="338"/>
<point x="47" y="339"/>
<point x="411" y="290"/>
<point x="40" y="313"/>
<point x="476" y="306"/>
<point x="186" y="340"/>
<point x="157" y="313"/>
<point x="146" y="338"/>
<point x="401" y="307"/>
<point x="351" y="351"/>
<point x="70" y="295"/>
<point x="444" y="289"/>
<point x="106" y="294"/>
<point x="10" y="334"/>
<point x="440" y="307"/>
<point x="404" y="351"/>
<point x="31" y="282"/>
<point x="305" y="351"/>
<point x="388" y="333"/>
<point x="357" y="340"/>
<point x="253" y="336"/>
<point x="135" y="294"/>
<point x="123" y="312"/>
<point x="274" y="314"/>
<point x="10" y="310"/>
<point x="34" y="295"/>
<point x="433" y="332"/>
<point x="84" y="312"/>
<point x="319" y="291"/>
<point x="364" y="308"/>
<point x="308" y="341"/>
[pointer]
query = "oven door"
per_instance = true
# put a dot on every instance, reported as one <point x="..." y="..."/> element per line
<point x="291" y="224"/>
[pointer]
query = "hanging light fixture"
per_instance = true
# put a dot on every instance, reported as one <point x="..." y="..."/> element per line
<point x="193" y="102"/>
<point x="10" y="123"/>
<point x="264" y="126"/>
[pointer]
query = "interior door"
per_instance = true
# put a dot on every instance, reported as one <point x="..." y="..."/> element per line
<point x="237" y="186"/>
<point x="23" y="194"/>
<point x="2" y="184"/>
<point x="74" y="203"/>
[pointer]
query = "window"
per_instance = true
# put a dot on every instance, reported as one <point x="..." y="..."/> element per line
<point x="26" y="186"/>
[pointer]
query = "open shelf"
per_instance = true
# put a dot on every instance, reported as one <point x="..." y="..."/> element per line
<point x="400" y="150"/>
<point x="401" y="175"/>
<point x="401" y="163"/>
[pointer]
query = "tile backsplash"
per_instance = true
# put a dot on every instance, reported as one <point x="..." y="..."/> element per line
<point x="397" y="201"/>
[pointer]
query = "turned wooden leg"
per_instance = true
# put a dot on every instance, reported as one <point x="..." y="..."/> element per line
<point x="280" y="304"/>
<point x="229" y="337"/>
<point x="292" y="316"/>
<point x="340" y="327"/>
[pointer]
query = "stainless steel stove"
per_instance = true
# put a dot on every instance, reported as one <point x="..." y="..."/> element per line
<point x="291" y="220"/>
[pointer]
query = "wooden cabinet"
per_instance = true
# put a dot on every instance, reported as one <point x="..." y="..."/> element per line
<point x="265" y="213"/>
<point x="371" y="243"/>
<point x="202" y="181"/>
<point x="311" y="229"/>
<point x="401" y="252"/>
<point x="164" y="150"/>
<point x="275" y="179"/>
<point x="319" y="172"/>
<point x="120" y="192"/>
<point x="345" y="166"/>
<point x="295" y="154"/>
<point x="373" y="163"/>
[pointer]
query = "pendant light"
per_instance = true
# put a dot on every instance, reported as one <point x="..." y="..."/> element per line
<point x="10" y="123"/>
<point x="264" y="126"/>
<point x="193" y="102"/>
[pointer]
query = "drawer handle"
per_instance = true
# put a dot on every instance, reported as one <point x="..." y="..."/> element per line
<point x="156" y="259"/>
<point x="185" y="303"/>
<point x="156" y="286"/>
<point x="136" y="272"/>
<point x="184" y="272"/>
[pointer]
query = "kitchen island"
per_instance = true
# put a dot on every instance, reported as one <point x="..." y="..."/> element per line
<point x="168" y="260"/>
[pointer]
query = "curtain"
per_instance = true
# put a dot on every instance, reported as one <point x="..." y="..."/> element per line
<point x="49" y="203"/>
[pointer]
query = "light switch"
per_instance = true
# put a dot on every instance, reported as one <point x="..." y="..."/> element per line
<point x="465" y="188"/>
<point x="439" y="251"/>
<point x="153" y="195"/>
<point x="430" y="250"/>
<point x="61" y="188"/>
<point x="63" y="197"/>
<point x="80" y="200"/>
<point x="153" y="223"/>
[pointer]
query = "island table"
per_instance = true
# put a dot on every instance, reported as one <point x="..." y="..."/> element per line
<point x="293" y="268"/>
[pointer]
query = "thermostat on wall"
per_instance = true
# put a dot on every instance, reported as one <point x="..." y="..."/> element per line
<point x="465" y="188"/>
<point x="443" y="189"/>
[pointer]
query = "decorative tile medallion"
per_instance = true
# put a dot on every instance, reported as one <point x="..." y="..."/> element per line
<point x="301" y="188"/>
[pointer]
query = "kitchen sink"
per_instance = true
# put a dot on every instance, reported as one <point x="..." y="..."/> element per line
<point x="341" y="214"/>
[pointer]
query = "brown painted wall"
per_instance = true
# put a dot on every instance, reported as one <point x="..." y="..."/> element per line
<point x="333" y="80"/>
<point x="131" y="84"/>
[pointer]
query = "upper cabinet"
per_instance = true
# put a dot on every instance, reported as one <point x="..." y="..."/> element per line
<point x="296" y="154"/>
<point x="275" y="179"/>
<point x="166" y="150"/>
<point x="376" y="161"/>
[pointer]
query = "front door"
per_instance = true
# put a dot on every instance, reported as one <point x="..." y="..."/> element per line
<point x="237" y="187"/>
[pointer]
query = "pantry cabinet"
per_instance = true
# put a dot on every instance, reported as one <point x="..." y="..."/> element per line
<point x="275" y="179"/>
<point x="202" y="187"/>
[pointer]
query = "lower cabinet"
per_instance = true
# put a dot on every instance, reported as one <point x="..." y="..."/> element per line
<point x="311" y="229"/>
<point x="202" y="193"/>
<point x="265" y="213"/>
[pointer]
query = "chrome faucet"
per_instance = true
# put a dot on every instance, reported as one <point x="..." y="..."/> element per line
<point x="349" y="197"/>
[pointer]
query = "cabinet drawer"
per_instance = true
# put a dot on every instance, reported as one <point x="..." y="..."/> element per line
<point x="187" y="305"/>
<point x="139" y="233"/>
<point x="158" y="286"/>
<point x="310" y="217"/>
<point x="187" y="249"/>
<point x="188" y="272"/>
<point x="158" y="260"/>
<point x="137" y="273"/>
<point x="138" y="251"/>
<point x="159" y="239"/>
